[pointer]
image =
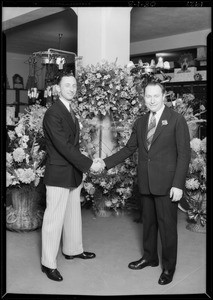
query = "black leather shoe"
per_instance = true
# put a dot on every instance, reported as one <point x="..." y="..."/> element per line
<point x="83" y="255"/>
<point x="52" y="274"/>
<point x="142" y="263"/>
<point x="166" y="277"/>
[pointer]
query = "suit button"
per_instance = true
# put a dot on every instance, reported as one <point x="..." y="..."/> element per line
<point x="149" y="159"/>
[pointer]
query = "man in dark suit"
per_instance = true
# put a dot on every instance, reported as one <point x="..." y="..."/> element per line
<point x="63" y="179"/>
<point x="162" y="138"/>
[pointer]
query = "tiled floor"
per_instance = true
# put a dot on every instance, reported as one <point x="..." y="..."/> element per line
<point x="116" y="242"/>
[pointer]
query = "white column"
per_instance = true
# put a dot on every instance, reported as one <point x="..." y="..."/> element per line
<point x="104" y="33"/>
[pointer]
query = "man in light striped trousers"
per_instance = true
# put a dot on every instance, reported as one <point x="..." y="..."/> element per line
<point x="65" y="166"/>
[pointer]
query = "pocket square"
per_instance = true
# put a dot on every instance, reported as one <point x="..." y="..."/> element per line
<point x="164" y="122"/>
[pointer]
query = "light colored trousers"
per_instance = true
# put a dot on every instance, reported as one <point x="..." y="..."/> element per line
<point x="62" y="217"/>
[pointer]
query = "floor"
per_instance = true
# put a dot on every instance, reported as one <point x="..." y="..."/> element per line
<point x="116" y="240"/>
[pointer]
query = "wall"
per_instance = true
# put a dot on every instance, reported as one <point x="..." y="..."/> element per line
<point x="107" y="36"/>
<point x="10" y="13"/>
<point x="174" y="42"/>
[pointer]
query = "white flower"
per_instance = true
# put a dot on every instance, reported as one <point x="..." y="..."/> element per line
<point x="9" y="179"/>
<point x="192" y="184"/>
<point x="19" y="154"/>
<point x="195" y="144"/>
<point x="11" y="134"/>
<point x="25" y="138"/>
<point x="25" y="175"/>
<point x="114" y="200"/>
<point x="89" y="188"/>
<point x="19" y="130"/>
<point x="9" y="158"/>
<point x="108" y="203"/>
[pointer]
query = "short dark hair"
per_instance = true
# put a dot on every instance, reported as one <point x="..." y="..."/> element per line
<point x="154" y="83"/>
<point x="62" y="74"/>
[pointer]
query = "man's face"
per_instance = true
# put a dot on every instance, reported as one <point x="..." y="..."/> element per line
<point x="67" y="87"/>
<point x="154" y="98"/>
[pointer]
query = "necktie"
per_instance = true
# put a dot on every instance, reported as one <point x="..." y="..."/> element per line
<point x="151" y="130"/>
<point x="72" y="113"/>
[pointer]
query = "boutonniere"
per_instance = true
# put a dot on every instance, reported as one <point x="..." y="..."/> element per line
<point x="164" y="122"/>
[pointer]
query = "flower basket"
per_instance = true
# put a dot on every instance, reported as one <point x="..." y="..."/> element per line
<point x="25" y="213"/>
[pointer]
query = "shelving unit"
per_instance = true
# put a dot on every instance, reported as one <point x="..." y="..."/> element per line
<point x="199" y="90"/>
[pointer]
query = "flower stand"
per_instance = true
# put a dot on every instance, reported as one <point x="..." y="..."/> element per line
<point x="25" y="213"/>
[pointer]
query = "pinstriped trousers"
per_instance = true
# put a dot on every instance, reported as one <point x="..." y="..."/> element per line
<point x="62" y="218"/>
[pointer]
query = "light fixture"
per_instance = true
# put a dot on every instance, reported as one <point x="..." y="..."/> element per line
<point x="54" y="60"/>
<point x="53" y="56"/>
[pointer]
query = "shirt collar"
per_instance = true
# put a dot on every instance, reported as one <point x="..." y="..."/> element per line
<point x="66" y="103"/>
<point x="160" y="111"/>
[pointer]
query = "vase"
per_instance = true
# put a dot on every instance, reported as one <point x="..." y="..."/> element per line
<point x="25" y="213"/>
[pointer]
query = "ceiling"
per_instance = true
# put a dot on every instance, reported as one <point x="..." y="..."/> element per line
<point x="146" y="23"/>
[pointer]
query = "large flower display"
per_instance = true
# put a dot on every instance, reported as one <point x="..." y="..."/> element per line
<point x="25" y="167"/>
<point x="107" y="89"/>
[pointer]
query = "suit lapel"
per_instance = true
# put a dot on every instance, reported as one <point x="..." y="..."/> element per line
<point x="160" y="127"/>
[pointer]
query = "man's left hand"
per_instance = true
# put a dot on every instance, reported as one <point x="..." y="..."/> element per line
<point x="176" y="194"/>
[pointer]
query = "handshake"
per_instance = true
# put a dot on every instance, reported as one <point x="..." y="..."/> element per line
<point x="98" y="166"/>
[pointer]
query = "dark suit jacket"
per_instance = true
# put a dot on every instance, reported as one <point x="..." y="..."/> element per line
<point x="65" y="163"/>
<point x="165" y="165"/>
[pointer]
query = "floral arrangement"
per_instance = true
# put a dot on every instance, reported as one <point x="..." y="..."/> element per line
<point x="107" y="89"/>
<point x="26" y="152"/>
<point x="196" y="181"/>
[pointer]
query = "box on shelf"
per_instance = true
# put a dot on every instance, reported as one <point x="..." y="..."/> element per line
<point x="188" y="75"/>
